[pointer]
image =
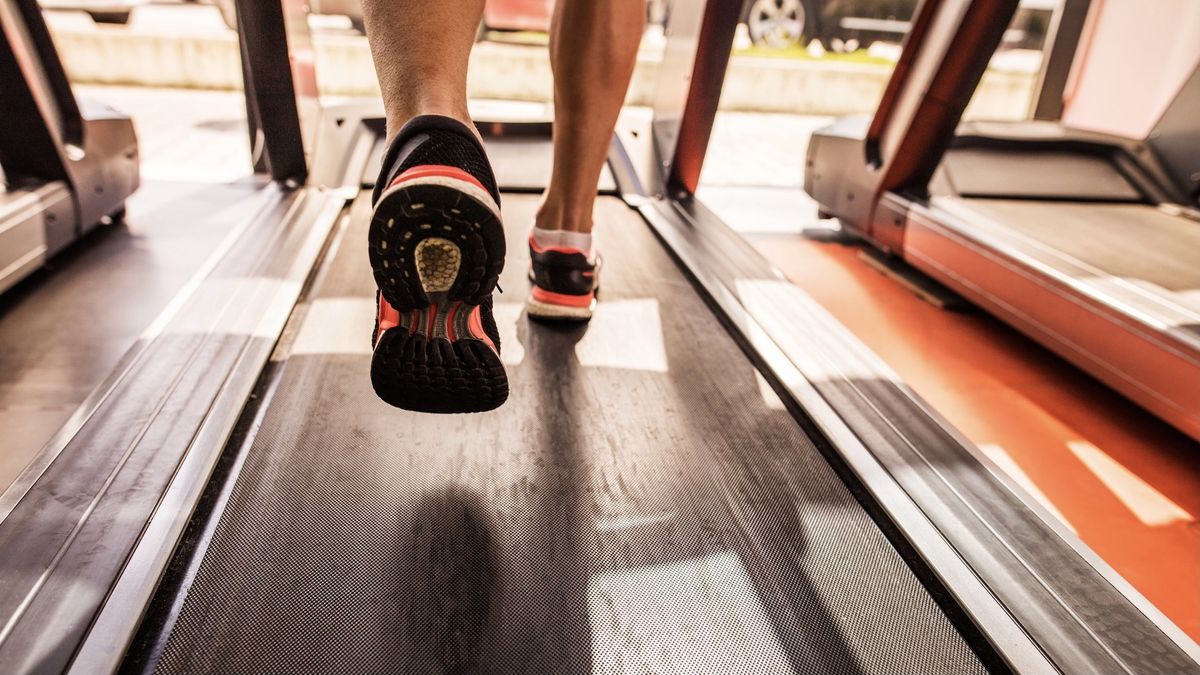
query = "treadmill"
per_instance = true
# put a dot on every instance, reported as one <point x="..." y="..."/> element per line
<point x="67" y="164"/>
<point x="711" y="476"/>
<point x="1088" y="243"/>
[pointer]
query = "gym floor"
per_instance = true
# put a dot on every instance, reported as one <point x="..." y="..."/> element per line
<point x="1128" y="484"/>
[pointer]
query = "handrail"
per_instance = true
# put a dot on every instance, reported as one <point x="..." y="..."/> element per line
<point x="912" y="45"/>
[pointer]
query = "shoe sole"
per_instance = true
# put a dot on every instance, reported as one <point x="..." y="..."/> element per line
<point x="546" y="311"/>
<point x="436" y="247"/>
<point x="555" y="311"/>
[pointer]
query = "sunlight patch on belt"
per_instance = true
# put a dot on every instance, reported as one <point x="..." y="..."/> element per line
<point x="248" y="306"/>
<point x="700" y="615"/>
<point x="1149" y="505"/>
<point x="617" y="523"/>
<point x="624" y="334"/>
<point x="768" y="394"/>
<point x="507" y="314"/>
<point x="336" y="326"/>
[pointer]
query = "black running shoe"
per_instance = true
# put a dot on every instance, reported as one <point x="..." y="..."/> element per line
<point x="437" y="249"/>
<point x="565" y="283"/>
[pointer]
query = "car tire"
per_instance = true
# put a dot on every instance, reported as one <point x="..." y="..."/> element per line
<point x="776" y="23"/>
<point x="115" y="218"/>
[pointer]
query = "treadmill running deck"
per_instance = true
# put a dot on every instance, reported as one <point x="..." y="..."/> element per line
<point x="1125" y="241"/>
<point x="643" y="503"/>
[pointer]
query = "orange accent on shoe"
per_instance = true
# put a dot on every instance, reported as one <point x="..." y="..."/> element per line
<point x="451" y="335"/>
<point x="432" y="315"/>
<point x="428" y="170"/>
<point x="389" y="318"/>
<point x="555" y="249"/>
<point x="475" y="324"/>
<point x="542" y="295"/>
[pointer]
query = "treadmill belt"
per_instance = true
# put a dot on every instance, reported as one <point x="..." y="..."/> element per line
<point x="642" y="504"/>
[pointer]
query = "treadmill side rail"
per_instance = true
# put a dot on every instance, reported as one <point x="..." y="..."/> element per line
<point x="175" y="401"/>
<point x="48" y="137"/>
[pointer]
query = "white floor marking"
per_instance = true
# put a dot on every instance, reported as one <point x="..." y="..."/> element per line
<point x="1002" y="459"/>
<point x="1149" y="505"/>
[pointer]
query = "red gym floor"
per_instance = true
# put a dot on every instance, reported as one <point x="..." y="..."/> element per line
<point x="1128" y="484"/>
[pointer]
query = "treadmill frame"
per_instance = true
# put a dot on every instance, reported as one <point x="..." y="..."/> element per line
<point x="1141" y="343"/>
<point x="67" y="167"/>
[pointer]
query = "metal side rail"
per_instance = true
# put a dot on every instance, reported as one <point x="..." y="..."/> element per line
<point x="1041" y="597"/>
<point x="69" y="524"/>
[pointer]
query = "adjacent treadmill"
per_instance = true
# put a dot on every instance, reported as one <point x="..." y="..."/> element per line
<point x="1089" y="243"/>
<point x="67" y="164"/>
<point x="711" y="476"/>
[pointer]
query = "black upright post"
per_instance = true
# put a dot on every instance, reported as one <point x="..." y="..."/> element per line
<point x="1066" y="29"/>
<point x="258" y="154"/>
<point x="39" y="116"/>
<point x="280" y="84"/>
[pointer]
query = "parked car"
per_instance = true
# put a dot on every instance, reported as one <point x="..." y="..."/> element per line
<point x="498" y="15"/>
<point x="535" y="15"/>
<point x="351" y="9"/>
<point x="858" y="23"/>
<point x="846" y="25"/>
<point x="514" y="15"/>
<point x="839" y="24"/>
<point x="101" y="11"/>
<point x="779" y="23"/>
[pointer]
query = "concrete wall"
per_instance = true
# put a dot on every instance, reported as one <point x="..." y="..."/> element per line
<point x="502" y="71"/>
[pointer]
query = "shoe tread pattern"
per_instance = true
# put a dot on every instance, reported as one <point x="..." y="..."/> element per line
<point x="414" y="372"/>
<point x="407" y="216"/>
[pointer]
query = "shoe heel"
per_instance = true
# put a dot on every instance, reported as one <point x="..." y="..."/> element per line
<point x="439" y="232"/>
